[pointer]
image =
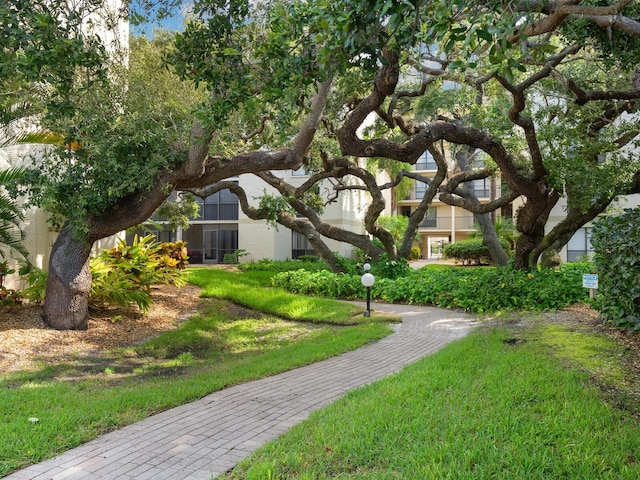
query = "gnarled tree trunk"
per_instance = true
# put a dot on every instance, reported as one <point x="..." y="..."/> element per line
<point x="491" y="240"/>
<point x="531" y="220"/>
<point x="68" y="284"/>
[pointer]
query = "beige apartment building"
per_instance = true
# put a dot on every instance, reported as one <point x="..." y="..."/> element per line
<point x="444" y="223"/>
<point x="222" y="228"/>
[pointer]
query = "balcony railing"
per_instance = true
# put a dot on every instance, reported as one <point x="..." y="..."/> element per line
<point x="445" y="223"/>
<point x="219" y="211"/>
<point x="429" y="165"/>
<point x="482" y="192"/>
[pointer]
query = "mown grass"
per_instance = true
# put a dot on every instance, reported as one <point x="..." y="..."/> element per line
<point x="251" y="290"/>
<point x="489" y="406"/>
<point x="63" y="404"/>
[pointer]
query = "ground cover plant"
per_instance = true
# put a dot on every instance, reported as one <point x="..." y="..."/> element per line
<point x="61" y="404"/>
<point x="492" y="405"/>
<point x="473" y="289"/>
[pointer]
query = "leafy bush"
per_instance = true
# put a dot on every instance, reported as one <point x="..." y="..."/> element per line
<point x="308" y="258"/>
<point x="9" y="297"/>
<point x="175" y="250"/>
<point x="386" y="268"/>
<point x="125" y="274"/>
<point x="322" y="283"/>
<point x="478" y="289"/>
<point x="234" y="258"/>
<point x="616" y="241"/>
<point x="471" y="251"/>
<point x="4" y="271"/>
<point x="36" y="279"/>
<point x="415" y="253"/>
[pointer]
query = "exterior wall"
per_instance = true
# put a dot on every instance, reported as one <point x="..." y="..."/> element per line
<point x="38" y="237"/>
<point x="258" y="239"/>
<point x="262" y="241"/>
<point x="557" y="214"/>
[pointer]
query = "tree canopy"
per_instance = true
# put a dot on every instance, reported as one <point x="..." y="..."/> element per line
<point x="534" y="90"/>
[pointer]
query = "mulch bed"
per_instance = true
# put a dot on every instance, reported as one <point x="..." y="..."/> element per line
<point x="24" y="336"/>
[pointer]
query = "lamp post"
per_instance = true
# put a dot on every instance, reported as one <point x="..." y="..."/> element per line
<point x="368" y="280"/>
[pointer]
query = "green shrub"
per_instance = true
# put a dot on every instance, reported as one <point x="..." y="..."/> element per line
<point x="471" y="251"/>
<point x="415" y="253"/>
<point x="348" y="265"/>
<point x="9" y="296"/>
<point x="616" y="241"/>
<point x="114" y="286"/>
<point x="4" y="271"/>
<point x="176" y="251"/>
<point x="385" y="268"/>
<point x="308" y="258"/>
<point x="125" y="274"/>
<point x="476" y="289"/>
<point x="322" y="283"/>
<point x="36" y="279"/>
<point x="234" y="258"/>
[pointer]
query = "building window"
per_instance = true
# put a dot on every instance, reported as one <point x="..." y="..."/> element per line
<point x="160" y="235"/>
<point x="222" y="205"/>
<point x="426" y="162"/>
<point x="300" y="245"/>
<point x="421" y="189"/>
<point x="405" y="211"/>
<point x="580" y="245"/>
<point x="209" y="243"/>
<point x="431" y="218"/>
<point x="482" y="187"/>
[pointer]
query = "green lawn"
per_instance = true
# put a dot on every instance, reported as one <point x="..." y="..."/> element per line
<point x="248" y="289"/>
<point x="532" y="402"/>
<point x="486" y="407"/>
<point x="78" y="400"/>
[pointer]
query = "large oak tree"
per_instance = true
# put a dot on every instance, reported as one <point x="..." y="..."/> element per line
<point x="276" y="75"/>
<point x="547" y="91"/>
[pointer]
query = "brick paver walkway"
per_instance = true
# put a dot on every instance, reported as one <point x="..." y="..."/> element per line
<point x="203" y="439"/>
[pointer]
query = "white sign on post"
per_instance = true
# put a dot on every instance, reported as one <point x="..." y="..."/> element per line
<point x="590" y="280"/>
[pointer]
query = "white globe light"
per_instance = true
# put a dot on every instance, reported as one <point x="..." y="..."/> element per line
<point x="368" y="280"/>
<point x="366" y="267"/>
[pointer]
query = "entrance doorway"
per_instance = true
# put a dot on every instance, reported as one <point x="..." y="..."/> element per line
<point x="209" y="243"/>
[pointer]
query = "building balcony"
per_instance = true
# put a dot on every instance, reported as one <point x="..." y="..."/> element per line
<point x="220" y="211"/>
<point x="446" y="223"/>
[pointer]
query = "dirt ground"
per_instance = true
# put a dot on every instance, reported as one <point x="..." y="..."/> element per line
<point x="24" y="336"/>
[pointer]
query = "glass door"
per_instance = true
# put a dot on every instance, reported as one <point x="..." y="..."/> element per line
<point x="210" y="238"/>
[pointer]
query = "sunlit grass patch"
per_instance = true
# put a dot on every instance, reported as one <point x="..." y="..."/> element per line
<point x="223" y="345"/>
<point x="236" y="286"/>
<point x="597" y="354"/>
<point x="261" y="334"/>
<point x="479" y="408"/>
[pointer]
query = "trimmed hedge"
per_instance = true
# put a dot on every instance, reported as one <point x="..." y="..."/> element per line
<point x="309" y="264"/>
<point x="471" y="251"/>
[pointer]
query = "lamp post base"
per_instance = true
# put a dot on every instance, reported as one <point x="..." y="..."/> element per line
<point x="367" y="313"/>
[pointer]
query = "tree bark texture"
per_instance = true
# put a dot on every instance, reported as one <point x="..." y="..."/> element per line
<point x="68" y="284"/>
